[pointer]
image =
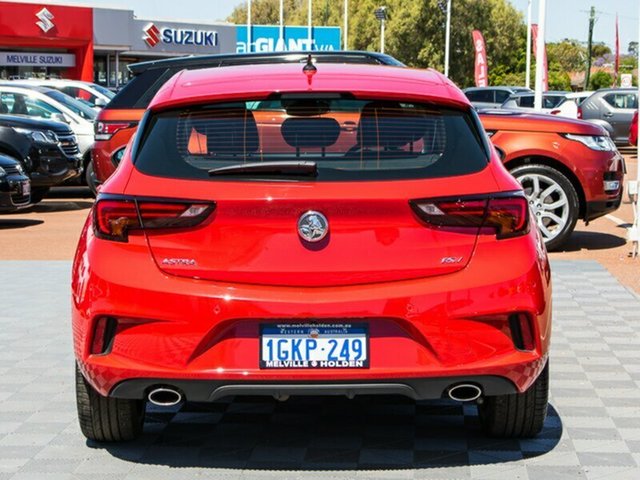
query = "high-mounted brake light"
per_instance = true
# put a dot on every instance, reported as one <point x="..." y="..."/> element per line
<point x="504" y="215"/>
<point x="114" y="218"/>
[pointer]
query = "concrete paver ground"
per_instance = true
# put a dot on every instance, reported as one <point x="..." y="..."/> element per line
<point x="592" y="431"/>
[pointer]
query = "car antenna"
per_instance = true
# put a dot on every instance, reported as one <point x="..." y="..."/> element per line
<point x="309" y="69"/>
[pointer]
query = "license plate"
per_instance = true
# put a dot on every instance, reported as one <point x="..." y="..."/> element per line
<point x="344" y="345"/>
<point x="26" y="188"/>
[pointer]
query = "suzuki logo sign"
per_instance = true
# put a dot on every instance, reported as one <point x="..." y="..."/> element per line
<point x="45" y="17"/>
<point x="151" y="35"/>
<point x="179" y="36"/>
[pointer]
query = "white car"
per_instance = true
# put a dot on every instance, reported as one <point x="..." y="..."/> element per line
<point x="92" y="94"/>
<point x="569" y="106"/>
<point x="51" y="104"/>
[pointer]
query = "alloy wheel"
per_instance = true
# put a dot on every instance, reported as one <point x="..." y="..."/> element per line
<point x="548" y="202"/>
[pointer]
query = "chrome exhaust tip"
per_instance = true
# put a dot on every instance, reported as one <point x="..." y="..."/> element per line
<point x="464" y="392"/>
<point x="164" y="397"/>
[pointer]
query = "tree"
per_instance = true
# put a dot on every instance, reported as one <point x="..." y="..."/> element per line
<point x="633" y="49"/>
<point x="264" y="12"/>
<point x="599" y="50"/>
<point x="559" y="80"/>
<point x="600" y="80"/>
<point x="415" y="30"/>
<point x="567" y="55"/>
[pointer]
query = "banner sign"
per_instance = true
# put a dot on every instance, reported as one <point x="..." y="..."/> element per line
<point x="545" y="73"/>
<point x="28" y="59"/>
<point x="481" y="71"/>
<point x="266" y="38"/>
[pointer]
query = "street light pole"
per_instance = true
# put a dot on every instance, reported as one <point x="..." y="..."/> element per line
<point x="542" y="17"/>
<point x="447" y="40"/>
<point x="309" y="28"/>
<point x="281" y="39"/>
<point x="249" y="26"/>
<point x="381" y="14"/>
<point x="346" y="24"/>
<point x="527" y="80"/>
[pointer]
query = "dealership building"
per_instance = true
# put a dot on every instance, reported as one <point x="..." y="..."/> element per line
<point x="96" y="44"/>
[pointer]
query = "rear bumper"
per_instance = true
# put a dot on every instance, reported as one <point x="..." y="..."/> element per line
<point x="415" y="388"/>
<point x="203" y="337"/>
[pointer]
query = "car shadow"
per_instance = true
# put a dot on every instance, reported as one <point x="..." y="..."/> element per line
<point x="48" y="206"/>
<point x="330" y="434"/>
<point x="11" y="223"/>
<point x="581" y="240"/>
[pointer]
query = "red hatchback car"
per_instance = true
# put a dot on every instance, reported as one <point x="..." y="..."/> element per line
<point x="274" y="230"/>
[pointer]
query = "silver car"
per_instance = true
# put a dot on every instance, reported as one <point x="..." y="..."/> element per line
<point x="491" y="97"/>
<point x="612" y="108"/>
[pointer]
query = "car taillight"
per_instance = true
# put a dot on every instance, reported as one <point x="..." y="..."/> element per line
<point x="114" y="218"/>
<point x="105" y="130"/>
<point x="579" y="112"/>
<point x="505" y="215"/>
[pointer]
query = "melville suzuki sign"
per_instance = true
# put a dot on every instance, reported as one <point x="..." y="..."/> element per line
<point x="27" y="59"/>
<point x="153" y="35"/>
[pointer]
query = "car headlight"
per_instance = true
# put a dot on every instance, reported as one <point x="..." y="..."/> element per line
<point x="3" y="172"/>
<point x="40" y="136"/>
<point x="601" y="143"/>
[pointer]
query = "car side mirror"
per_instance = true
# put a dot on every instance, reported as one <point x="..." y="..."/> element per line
<point x="501" y="153"/>
<point x="100" y="102"/>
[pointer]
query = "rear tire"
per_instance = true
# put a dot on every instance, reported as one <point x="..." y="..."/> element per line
<point x="91" y="179"/>
<point x="107" y="419"/>
<point x="519" y="415"/>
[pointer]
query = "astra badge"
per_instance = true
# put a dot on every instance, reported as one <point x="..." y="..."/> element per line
<point x="184" y="262"/>
<point x="313" y="226"/>
<point x="45" y="17"/>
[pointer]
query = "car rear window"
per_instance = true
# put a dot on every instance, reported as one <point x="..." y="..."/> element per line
<point x="348" y="139"/>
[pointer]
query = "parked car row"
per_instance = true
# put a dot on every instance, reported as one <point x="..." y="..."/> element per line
<point x="73" y="103"/>
<point x="611" y="108"/>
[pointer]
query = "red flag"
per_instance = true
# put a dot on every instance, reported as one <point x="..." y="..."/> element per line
<point x="545" y="75"/>
<point x="617" y="64"/>
<point x="481" y="72"/>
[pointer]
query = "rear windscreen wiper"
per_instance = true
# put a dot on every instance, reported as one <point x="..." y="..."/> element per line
<point x="268" y="168"/>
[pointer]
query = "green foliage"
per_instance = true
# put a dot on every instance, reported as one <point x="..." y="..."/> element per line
<point x="559" y="80"/>
<point x="633" y="49"/>
<point x="567" y="55"/>
<point x="600" y="80"/>
<point x="599" y="50"/>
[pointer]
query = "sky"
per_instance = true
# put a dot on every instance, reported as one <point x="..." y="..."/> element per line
<point x="565" y="18"/>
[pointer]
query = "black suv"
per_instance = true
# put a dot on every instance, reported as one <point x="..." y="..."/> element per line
<point x="47" y="150"/>
<point x="15" y="186"/>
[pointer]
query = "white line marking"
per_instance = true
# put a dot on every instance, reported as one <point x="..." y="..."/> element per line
<point x="616" y="220"/>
